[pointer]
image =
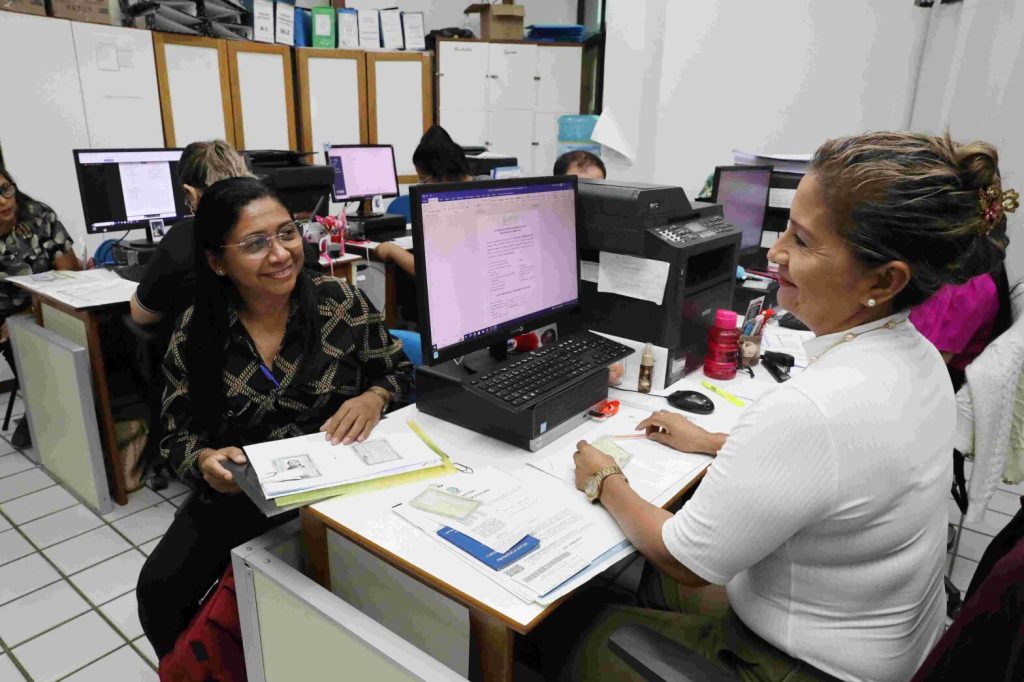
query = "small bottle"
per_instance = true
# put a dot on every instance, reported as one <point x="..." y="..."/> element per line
<point x="646" y="369"/>
<point x="723" y="347"/>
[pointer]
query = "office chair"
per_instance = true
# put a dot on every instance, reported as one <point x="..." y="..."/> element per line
<point x="150" y="345"/>
<point x="400" y="206"/>
<point x="413" y="351"/>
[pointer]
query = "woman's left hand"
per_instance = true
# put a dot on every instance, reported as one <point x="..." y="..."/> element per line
<point x="589" y="460"/>
<point x="354" y="419"/>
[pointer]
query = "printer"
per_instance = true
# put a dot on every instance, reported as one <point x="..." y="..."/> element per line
<point x="657" y="222"/>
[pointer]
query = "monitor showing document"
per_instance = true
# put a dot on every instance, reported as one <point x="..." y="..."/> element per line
<point x="494" y="258"/>
<point x="126" y="189"/>
<point x="363" y="171"/>
<point x="743" y="193"/>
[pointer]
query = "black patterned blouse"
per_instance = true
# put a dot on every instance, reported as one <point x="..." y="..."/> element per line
<point x="357" y="353"/>
<point x="31" y="247"/>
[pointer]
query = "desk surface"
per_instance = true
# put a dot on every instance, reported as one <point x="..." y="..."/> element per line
<point x="79" y="290"/>
<point x="368" y="519"/>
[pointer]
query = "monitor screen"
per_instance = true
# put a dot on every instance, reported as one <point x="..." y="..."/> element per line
<point x="493" y="258"/>
<point x="363" y="171"/>
<point x="743" y="193"/>
<point x="125" y="189"/>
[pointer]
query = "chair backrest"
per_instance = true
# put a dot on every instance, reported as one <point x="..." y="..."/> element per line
<point x="410" y="344"/>
<point x="401" y="206"/>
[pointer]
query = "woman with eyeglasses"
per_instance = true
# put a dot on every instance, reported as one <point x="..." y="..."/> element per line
<point x="32" y="239"/>
<point x="267" y="351"/>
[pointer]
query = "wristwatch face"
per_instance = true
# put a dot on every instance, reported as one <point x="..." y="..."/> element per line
<point x="593" y="487"/>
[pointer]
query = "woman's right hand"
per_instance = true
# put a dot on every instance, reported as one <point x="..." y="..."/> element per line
<point x="679" y="433"/>
<point x="211" y="466"/>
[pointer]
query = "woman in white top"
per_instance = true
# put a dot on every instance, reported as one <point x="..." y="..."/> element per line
<point x="824" y="513"/>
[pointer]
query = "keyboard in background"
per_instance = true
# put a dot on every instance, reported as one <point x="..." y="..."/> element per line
<point x="133" y="273"/>
<point x="526" y="379"/>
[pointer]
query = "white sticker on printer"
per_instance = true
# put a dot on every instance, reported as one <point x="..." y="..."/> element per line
<point x="641" y="278"/>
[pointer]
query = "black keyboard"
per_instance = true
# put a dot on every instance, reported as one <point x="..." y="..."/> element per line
<point x="131" y="272"/>
<point x="526" y="379"/>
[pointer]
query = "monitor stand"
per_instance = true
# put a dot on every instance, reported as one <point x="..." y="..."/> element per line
<point x="483" y="361"/>
<point x="379" y="227"/>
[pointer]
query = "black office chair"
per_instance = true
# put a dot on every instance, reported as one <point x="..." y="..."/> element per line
<point x="150" y="345"/>
<point x="658" y="659"/>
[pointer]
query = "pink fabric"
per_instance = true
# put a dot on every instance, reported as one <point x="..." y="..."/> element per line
<point x="959" y="319"/>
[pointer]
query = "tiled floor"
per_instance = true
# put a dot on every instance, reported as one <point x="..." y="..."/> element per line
<point x="67" y="578"/>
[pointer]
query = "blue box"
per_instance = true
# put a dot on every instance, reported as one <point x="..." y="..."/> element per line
<point x="592" y="147"/>
<point x="576" y="127"/>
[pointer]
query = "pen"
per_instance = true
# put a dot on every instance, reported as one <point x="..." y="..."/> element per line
<point x="269" y="375"/>
<point x="728" y="396"/>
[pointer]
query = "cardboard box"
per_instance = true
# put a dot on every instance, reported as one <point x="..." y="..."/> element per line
<point x="499" y="22"/>
<point x="92" y="11"/>
<point x="24" y="6"/>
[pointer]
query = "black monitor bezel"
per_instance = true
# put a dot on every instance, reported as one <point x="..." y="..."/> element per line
<point x="127" y="226"/>
<point x="714" y="199"/>
<point x="394" y="168"/>
<point x="506" y="331"/>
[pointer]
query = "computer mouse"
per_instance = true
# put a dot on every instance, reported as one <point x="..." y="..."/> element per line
<point x="691" y="401"/>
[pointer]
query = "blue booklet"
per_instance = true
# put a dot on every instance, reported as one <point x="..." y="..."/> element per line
<point x="481" y="552"/>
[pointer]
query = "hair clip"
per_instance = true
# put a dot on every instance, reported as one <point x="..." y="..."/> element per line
<point x="994" y="203"/>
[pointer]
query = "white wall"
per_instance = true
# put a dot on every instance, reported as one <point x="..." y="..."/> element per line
<point x="775" y="77"/>
<point x="444" y="13"/>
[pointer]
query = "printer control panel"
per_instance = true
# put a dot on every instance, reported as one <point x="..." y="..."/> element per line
<point x="692" y="230"/>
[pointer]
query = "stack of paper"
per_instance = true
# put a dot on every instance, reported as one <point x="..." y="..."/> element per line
<point x="309" y="463"/>
<point x="81" y="289"/>
<point x="781" y="163"/>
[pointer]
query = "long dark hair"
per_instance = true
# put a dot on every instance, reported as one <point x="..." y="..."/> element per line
<point x="206" y="353"/>
<point x="22" y="200"/>
<point x="438" y="156"/>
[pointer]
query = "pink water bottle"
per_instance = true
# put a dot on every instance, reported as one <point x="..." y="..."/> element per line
<point x="723" y="346"/>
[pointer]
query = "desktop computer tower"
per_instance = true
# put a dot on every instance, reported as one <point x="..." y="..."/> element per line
<point x="657" y="223"/>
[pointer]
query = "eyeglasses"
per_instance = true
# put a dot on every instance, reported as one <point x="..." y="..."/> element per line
<point x="258" y="245"/>
<point x="7" y="190"/>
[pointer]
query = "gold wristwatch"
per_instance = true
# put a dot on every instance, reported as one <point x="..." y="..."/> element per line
<point x="595" y="481"/>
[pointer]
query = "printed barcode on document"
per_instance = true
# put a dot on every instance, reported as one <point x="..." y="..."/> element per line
<point x="543" y="569"/>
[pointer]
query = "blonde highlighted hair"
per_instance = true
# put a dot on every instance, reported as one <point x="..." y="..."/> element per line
<point x="204" y="163"/>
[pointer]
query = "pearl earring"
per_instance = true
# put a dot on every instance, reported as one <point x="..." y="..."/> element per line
<point x="872" y="303"/>
<point x="221" y="273"/>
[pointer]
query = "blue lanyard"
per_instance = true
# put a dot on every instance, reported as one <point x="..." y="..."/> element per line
<point x="267" y="373"/>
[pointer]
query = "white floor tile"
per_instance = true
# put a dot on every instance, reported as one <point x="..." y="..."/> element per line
<point x="24" y="575"/>
<point x="963" y="571"/>
<point x="6" y="447"/>
<point x="174" y="488"/>
<point x="13" y="546"/>
<point x="143" y="645"/>
<point x="24" y="483"/>
<point x="41" y="503"/>
<point x="67" y="648"/>
<point x="4" y="524"/>
<point x="14" y="463"/>
<point x="147" y="524"/>
<point x="972" y="545"/>
<point x="124" y="613"/>
<point x="124" y="665"/>
<point x="110" y="579"/>
<point x="58" y="527"/>
<point x="179" y="500"/>
<point x="148" y="548"/>
<point x="1002" y="501"/>
<point x="137" y="501"/>
<point x="8" y="671"/>
<point x="39" y="611"/>
<point x="71" y="556"/>
<point x="991" y="524"/>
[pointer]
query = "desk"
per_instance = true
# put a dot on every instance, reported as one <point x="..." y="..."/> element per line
<point x="495" y="616"/>
<point x="347" y="262"/>
<point x="77" y="319"/>
<point x="390" y="307"/>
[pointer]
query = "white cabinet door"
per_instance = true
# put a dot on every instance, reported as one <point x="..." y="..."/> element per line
<point x="512" y="68"/>
<point x="511" y="132"/>
<point x="545" y="142"/>
<point x="467" y="128"/>
<point x="462" y="75"/>
<point x="559" y="73"/>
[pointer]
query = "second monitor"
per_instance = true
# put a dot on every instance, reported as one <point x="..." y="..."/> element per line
<point x="363" y="171"/>
<point x="743" y="193"/>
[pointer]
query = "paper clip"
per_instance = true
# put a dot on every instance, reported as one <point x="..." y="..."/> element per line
<point x="604" y="410"/>
<point x="462" y="468"/>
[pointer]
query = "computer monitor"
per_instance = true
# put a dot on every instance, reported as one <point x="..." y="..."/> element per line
<point x="493" y="258"/>
<point x="128" y="189"/>
<point x="743" y="193"/>
<point x="362" y="171"/>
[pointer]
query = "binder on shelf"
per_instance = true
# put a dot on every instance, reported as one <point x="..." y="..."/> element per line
<point x="391" y="29"/>
<point x="412" y="31"/>
<point x="369" y="28"/>
<point x="323" y="27"/>
<point x="284" y="23"/>
<point x="348" y="29"/>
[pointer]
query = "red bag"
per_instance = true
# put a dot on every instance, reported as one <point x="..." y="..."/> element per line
<point x="210" y="649"/>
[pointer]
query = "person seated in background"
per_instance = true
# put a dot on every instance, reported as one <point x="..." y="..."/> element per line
<point x="824" y="513"/>
<point x="167" y="286"/>
<point x="267" y="351"/>
<point x="32" y="239"/>
<point x="437" y="158"/>
<point x="961" y="319"/>
<point x="582" y="164"/>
